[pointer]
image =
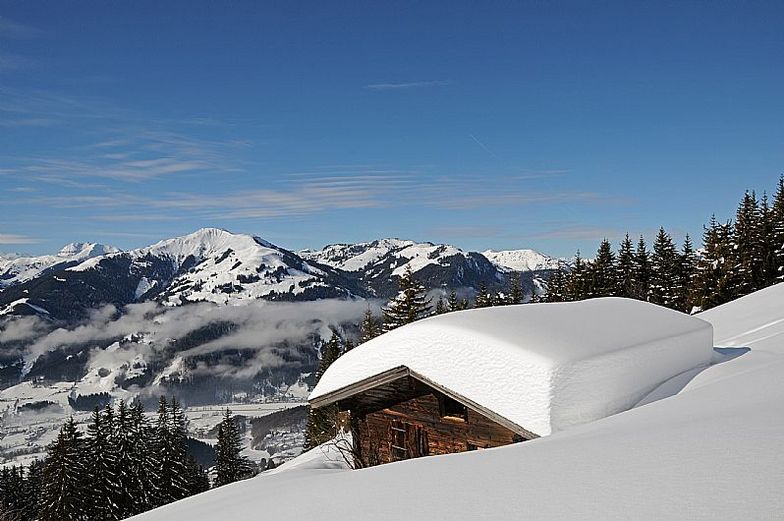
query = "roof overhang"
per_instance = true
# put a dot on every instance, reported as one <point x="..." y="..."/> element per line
<point x="403" y="371"/>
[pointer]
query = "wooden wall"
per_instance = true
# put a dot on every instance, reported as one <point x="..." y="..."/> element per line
<point x="426" y="431"/>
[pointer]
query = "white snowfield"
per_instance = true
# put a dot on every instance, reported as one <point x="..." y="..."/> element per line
<point x="544" y="367"/>
<point x="710" y="449"/>
<point x="522" y="260"/>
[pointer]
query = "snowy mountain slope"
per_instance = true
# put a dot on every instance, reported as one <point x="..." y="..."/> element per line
<point x="522" y="260"/>
<point x="380" y="263"/>
<point x="209" y="265"/>
<point x="16" y="269"/>
<point x="712" y="451"/>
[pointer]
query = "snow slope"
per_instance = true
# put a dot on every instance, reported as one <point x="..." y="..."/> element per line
<point x="712" y="451"/>
<point x="522" y="260"/>
<point x="14" y="270"/>
<point x="544" y="367"/>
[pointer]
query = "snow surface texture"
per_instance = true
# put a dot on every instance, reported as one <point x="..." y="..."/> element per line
<point x="522" y="260"/>
<point x="712" y="451"/>
<point x="14" y="270"/>
<point x="544" y="367"/>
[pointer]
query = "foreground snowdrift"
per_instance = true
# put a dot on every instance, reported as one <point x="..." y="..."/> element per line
<point x="713" y="451"/>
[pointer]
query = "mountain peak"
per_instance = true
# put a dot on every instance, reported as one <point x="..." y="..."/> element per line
<point x="85" y="250"/>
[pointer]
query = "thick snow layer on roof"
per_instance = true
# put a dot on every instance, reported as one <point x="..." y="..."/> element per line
<point x="544" y="367"/>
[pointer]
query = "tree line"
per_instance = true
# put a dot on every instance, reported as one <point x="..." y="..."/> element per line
<point x="124" y="464"/>
<point x="736" y="258"/>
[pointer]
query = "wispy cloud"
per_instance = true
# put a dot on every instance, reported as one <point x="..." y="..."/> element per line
<point x="6" y="238"/>
<point x="407" y="85"/>
<point x="17" y="31"/>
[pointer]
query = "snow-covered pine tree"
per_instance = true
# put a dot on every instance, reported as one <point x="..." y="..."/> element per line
<point x="642" y="271"/>
<point x="624" y="272"/>
<point x="410" y="304"/>
<point x="665" y="285"/>
<point x="101" y="463"/>
<point x="63" y="494"/>
<point x="369" y="328"/>
<point x="145" y="465"/>
<point x="515" y="289"/>
<point x="556" y="286"/>
<point x="768" y="242"/>
<point x="777" y="216"/>
<point x="576" y="283"/>
<point x="747" y="244"/>
<point x="687" y="270"/>
<point x="230" y="464"/>
<point x="322" y="422"/>
<point x="120" y="439"/>
<point x="441" y="306"/>
<point x="483" y="298"/>
<point x="602" y="272"/>
<point x="713" y="279"/>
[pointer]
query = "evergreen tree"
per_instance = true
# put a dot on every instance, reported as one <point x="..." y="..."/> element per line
<point x="409" y="305"/>
<point x="370" y="327"/>
<point x="452" y="302"/>
<point x="515" y="289"/>
<point x="777" y="232"/>
<point x="483" y="299"/>
<point x="665" y="285"/>
<point x="322" y="422"/>
<point x="713" y="284"/>
<point x="230" y="465"/>
<point x="576" y="285"/>
<point x="747" y="258"/>
<point x="556" y="286"/>
<point x="64" y="478"/>
<point x="686" y="275"/>
<point x="625" y="269"/>
<point x="602" y="272"/>
<point x="768" y="242"/>
<point x="441" y="306"/>
<point x="101" y="463"/>
<point x="642" y="271"/>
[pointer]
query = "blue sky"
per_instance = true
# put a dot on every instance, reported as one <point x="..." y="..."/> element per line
<point x="484" y="124"/>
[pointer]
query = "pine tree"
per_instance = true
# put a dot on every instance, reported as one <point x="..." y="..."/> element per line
<point x="322" y="422"/>
<point x="409" y="305"/>
<point x="767" y="242"/>
<point x="665" y="286"/>
<point x="101" y="463"/>
<point x="370" y="327"/>
<point x="64" y="478"/>
<point x="230" y="465"/>
<point x="441" y="306"/>
<point x="747" y="258"/>
<point x="713" y="278"/>
<point x="556" y="286"/>
<point x="642" y="271"/>
<point x="625" y="272"/>
<point x="515" y="289"/>
<point x="602" y="272"/>
<point x="686" y="274"/>
<point x="777" y="232"/>
<point x="576" y="285"/>
<point x="120" y="439"/>
<point x="483" y="299"/>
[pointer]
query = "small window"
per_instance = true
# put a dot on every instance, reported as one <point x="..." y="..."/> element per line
<point x="399" y="441"/>
<point x="452" y="409"/>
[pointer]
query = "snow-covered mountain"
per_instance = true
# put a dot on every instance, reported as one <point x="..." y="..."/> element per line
<point x="379" y="264"/>
<point x="522" y="260"/>
<point x="17" y="269"/>
<point x="209" y="265"/>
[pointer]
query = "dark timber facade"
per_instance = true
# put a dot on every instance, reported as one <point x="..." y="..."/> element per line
<point x="400" y="415"/>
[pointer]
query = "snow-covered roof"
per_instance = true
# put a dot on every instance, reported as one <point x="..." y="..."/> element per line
<point x="542" y="367"/>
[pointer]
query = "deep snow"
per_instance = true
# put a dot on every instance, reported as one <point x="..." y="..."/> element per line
<point x="711" y="451"/>
<point x="544" y="367"/>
